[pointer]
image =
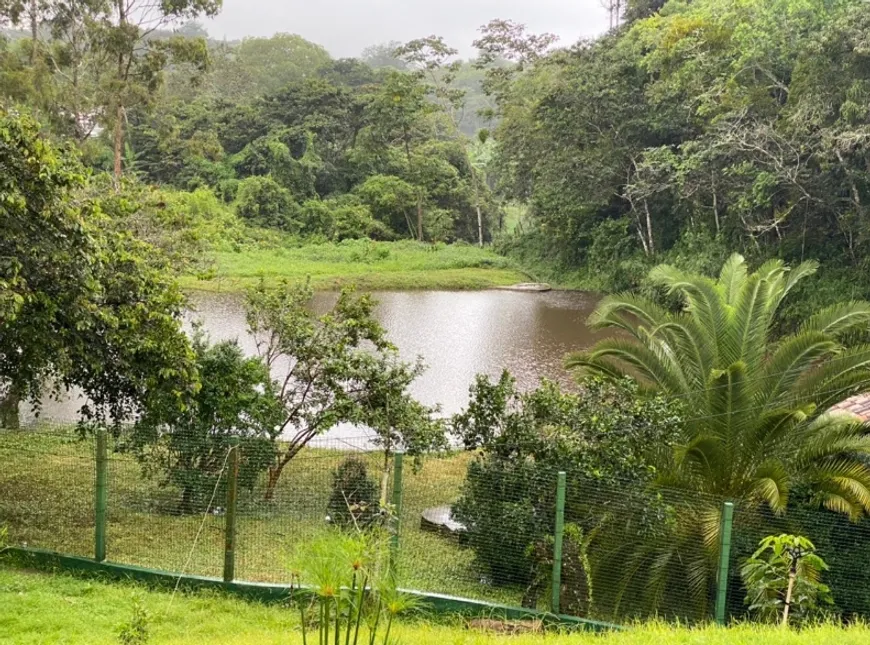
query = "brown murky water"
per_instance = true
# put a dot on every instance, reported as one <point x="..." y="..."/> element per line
<point x="458" y="334"/>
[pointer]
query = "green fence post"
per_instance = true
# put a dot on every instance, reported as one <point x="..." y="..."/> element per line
<point x="557" y="543"/>
<point x="101" y="495"/>
<point x="397" y="509"/>
<point x="725" y="529"/>
<point x="232" y="499"/>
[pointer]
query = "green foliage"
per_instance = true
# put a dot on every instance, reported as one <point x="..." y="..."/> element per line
<point x="576" y="594"/>
<point x="604" y="434"/>
<point x="264" y="202"/>
<point x="82" y="305"/>
<point x="188" y="449"/>
<point x="782" y="580"/>
<point x="355" y="595"/>
<point x="135" y="631"/>
<point x="258" y="66"/>
<point x="353" y="502"/>
<point x="344" y="368"/>
<point x="391" y="200"/>
<point x="737" y="120"/>
<point x="352" y="221"/>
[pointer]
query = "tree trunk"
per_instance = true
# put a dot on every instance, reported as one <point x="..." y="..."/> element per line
<point x="34" y="31"/>
<point x="792" y="575"/>
<point x="385" y="480"/>
<point x="715" y="206"/>
<point x="119" y="116"/>
<point x="420" y="216"/>
<point x="119" y="145"/>
<point x="408" y="222"/>
<point x="185" y="505"/>
<point x="274" y="475"/>
<point x="9" y="416"/>
<point x="649" y="230"/>
<point x="479" y="226"/>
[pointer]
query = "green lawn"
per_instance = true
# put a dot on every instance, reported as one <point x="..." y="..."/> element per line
<point x="40" y="609"/>
<point x="47" y="492"/>
<point x="369" y="265"/>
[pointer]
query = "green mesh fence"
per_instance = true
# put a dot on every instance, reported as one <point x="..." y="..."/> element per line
<point x="628" y="551"/>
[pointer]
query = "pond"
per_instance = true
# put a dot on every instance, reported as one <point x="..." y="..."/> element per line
<point x="458" y="334"/>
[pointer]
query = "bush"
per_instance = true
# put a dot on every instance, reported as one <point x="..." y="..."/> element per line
<point x="392" y="201"/>
<point x="264" y="202"/>
<point x="188" y="448"/>
<point x="351" y="221"/>
<point x="604" y="435"/>
<point x="782" y="580"/>
<point x="315" y="218"/>
<point x="353" y="502"/>
<point x="136" y="631"/>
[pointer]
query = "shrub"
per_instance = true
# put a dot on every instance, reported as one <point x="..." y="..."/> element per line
<point x="315" y="218"/>
<point x="188" y="448"/>
<point x="392" y="201"/>
<point x="354" y="598"/>
<point x="354" y="499"/>
<point x="135" y="631"/>
<point x="604" y="434"/>
<point x="264" y="202"/>
<point x="351" y="221"/>
<point x="782" y="580"/>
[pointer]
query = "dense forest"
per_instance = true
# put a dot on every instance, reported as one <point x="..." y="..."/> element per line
<point x="688" y="131"/>
<point x="386" y="146"/>
<point x="708" y="127"/>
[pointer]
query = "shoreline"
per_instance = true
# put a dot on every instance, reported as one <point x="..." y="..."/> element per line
<point x="445" y="280"/>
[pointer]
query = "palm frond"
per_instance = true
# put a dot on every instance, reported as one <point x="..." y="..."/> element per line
<point x="796" y="274"/>
<point x="702" y="297"/>
<point x="643" y="362"/>
<point x="732" y="277"/>
<point x="770" y="484"/>
<point x="792" y="359"/>
<point x="627" y="311"/>
<point x="839" y="319"/>
<point x="690" y="344"/>
<point x="838" y="378"/>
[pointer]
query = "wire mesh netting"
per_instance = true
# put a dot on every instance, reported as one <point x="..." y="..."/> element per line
<point x="46" y="489"/>
<point x="628" y="551"/>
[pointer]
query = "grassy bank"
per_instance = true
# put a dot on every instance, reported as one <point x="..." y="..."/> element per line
<point x="38" y="608"/>
<point x="370" y="265"/>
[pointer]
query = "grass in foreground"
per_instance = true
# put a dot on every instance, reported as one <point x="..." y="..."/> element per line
<point x="370" y="265"/>
<point x="39" y="608"/>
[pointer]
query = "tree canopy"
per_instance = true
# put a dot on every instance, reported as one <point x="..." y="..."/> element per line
<point x="82" y="305"/>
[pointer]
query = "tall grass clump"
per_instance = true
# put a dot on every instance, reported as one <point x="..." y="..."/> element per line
<point x="353" y="596"/>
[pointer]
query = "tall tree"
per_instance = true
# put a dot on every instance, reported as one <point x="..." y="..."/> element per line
<point x="437" y="66"/>
<point x="397" y="112"/>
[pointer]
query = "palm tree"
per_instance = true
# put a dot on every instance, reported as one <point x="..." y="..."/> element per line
<point x="757" y="407"/>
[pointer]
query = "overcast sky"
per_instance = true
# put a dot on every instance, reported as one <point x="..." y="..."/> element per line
<point x="345" y="27"/>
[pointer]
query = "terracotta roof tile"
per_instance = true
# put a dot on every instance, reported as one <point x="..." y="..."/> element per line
<point x="859" y="405"/>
